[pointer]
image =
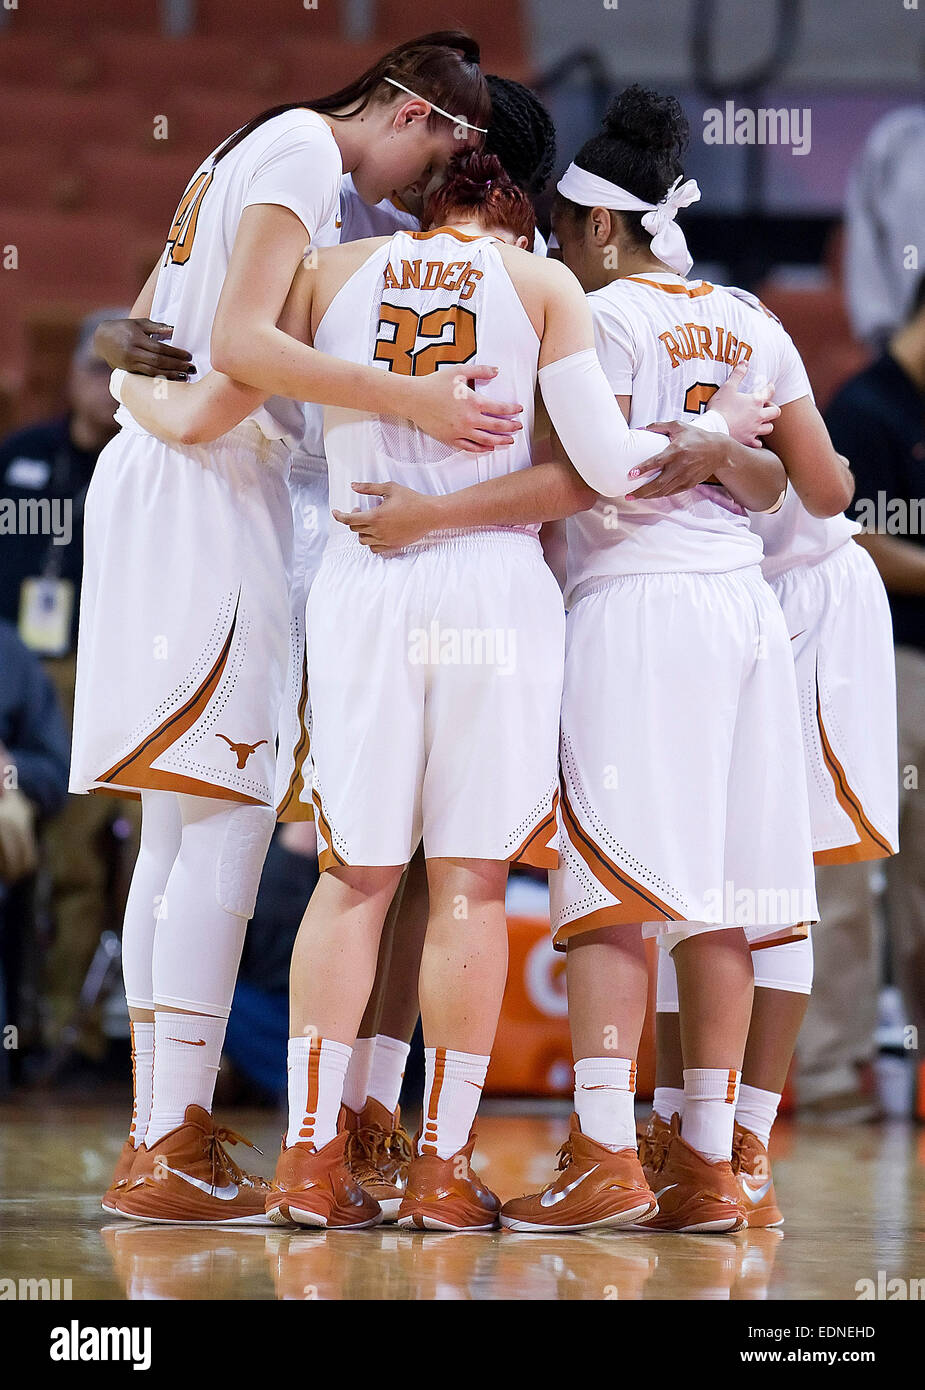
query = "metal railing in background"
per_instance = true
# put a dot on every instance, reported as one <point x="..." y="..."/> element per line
<point x="747" y="85"/>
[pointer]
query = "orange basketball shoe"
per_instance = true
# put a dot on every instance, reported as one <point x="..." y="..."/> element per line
<point x="444" y="1194"/>
<point x="378" y="1153"/>
<point x="189" y="1177"/>
<point x="594" y="1187"/>
<point x="752" y="1168"/>
<point x="694" y="1194"/>
<point x="315" y="1187"/>
<point x="120" y="1178"/>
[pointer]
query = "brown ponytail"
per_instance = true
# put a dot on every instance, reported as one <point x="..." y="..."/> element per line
<point x="442" y="67"/>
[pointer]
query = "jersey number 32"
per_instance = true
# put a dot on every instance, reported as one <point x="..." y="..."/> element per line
<point x="401" y="350"/>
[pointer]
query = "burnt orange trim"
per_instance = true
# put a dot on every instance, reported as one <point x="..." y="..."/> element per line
<point x="799" y="932"/>
<point x="871" y="844"/>
<point x="292" y="807"/>
<point x="593" y="921"/>
<point x="703" y="288"/>
<point x="850" y="854"/>
<point x="328" y="857"/>
<point x="731" y="1087"/>
<point x="135" y="770"/>
<point x="131" y="1133"/>
<point x="429" y="1137"/>
<point x="444" y="231"/>
<point x="540" y="856"/>
<point x="113" y="791"/>
<point x="637" y="904"/>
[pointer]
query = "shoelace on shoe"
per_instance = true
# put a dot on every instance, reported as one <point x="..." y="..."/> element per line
<point x="563" y="1159"/>
<point x="224" y="1165"/>
<point x="374" y="1154"/>
<point x="654" y="1149"/>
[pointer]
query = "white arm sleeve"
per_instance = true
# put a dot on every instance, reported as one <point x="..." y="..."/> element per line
<point x="590" y="424"/>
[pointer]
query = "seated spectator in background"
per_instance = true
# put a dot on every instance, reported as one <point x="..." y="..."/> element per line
<point x="45" y="470"/>
<point x="884" y="217"/>
<point x="878" y="421"/>
<point x="33" y="785"/>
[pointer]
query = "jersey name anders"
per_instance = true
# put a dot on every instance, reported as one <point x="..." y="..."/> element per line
<point x="455" y="276"/>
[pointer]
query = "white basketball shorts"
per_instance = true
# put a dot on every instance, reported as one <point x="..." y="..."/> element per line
<point x="842" y="639"/>
<point x="683" y="790"/>
<point x="184" y="617"/>
<point x="436" y="677"/>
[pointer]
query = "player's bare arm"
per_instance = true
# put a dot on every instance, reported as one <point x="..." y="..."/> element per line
<point x="546" y="492"/>
<point x="754" y="477"/>
<point x="248" y="345"/>
<point x="202" y="411"/>
<point x="193" y="413"/>
<point x="818" y="474"/>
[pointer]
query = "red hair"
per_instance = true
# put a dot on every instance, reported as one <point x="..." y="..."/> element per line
<point x="477" y="186"/>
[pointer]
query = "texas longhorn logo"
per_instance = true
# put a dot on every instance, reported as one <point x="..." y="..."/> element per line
<point x="242" y="750"/>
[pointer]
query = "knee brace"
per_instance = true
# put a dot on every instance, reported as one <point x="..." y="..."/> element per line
<point x="788" y="966"/>
<point x="243" y="850"/>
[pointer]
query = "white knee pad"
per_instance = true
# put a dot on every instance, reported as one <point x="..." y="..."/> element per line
<point x="666" y="988"/>
<point x="240" y="862"/>
<point x="788" y="966"/>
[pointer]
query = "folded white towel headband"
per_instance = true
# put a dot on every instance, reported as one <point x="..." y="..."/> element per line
<point x="457" y="120"/>
<point x="668" y="243"/>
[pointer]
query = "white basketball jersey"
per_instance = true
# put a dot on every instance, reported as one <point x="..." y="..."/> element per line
<point x="669" y="343"/>
<point x="291" y="160"/>
<point x="791" y="536"/>
<point x="421" y="302"/>
<point x="358" y="220"/>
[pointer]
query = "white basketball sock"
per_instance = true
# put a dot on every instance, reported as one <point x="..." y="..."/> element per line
<point x="756" y="1110"/>
<point x="142" y="1080"/>
<point x="387" y="1071"/>
<point x="316" y="1068"/>
<point x="356" y="1083"/>
<point x="604" y="1093"/>
<point x="188" y="1049"/>
<point x="668" y="1101"/>
<point x="710" y="1095"/>
<point x="453" y="1084"/>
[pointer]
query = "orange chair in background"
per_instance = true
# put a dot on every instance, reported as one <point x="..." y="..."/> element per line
<point x="532" y="1055"/>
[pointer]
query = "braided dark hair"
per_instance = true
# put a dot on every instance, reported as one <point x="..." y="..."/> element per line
<point x="521" y="134"/>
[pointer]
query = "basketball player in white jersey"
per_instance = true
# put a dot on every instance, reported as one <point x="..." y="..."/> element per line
<point x="425" y="724"/>
<point x="183" y="635"/>
<point x="522" y="134"/>
<point x="838" y="617"/>
<point x="684" y="808"/>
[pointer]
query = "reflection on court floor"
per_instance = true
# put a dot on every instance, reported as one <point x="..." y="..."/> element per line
<point x="853" y="1198"/>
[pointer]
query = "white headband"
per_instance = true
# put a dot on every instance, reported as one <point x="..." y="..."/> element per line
<point x="668" y="244"/>
<point x="457" y="120"/>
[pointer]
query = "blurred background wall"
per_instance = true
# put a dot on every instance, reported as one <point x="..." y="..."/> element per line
<point x="106" y="108"/>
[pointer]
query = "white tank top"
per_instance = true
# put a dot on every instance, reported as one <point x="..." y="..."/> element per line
<point x="669" y="343"/>
<point x="358" y="220"/>
<point x="291" y="160"/>
<point x="422" y="302"/>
